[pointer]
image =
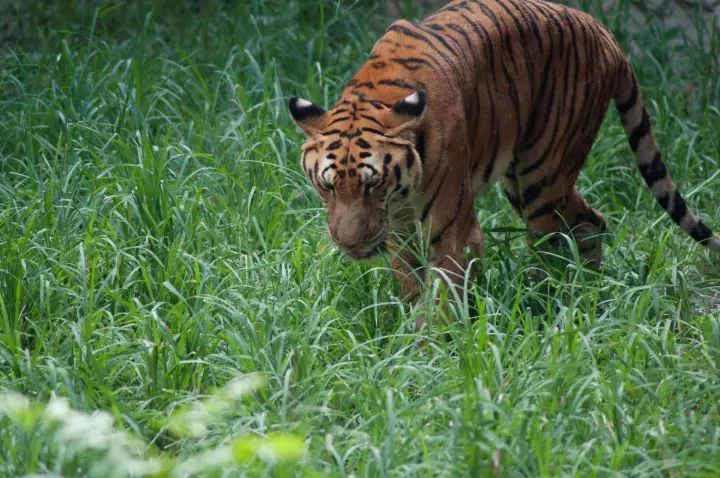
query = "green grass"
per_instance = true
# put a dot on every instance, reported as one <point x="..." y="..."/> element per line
<point x="158" y="241"/>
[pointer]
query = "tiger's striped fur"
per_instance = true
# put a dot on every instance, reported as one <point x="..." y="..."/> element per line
<point x="481" y="91"/>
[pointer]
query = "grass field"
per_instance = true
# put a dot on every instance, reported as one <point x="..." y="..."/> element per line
<point x="170" y="304"/>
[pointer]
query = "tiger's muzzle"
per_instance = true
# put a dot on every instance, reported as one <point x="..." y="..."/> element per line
<point x="358" y="233"/>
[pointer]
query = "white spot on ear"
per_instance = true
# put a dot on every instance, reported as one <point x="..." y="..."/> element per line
<point x="301" y="103"/>
<point x="412" y="99"/>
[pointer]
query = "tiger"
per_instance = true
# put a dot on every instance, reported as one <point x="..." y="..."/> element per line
<point x="479" y="92"/>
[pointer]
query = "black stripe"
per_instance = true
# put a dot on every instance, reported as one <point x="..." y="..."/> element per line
<point x="450" y="48"/>
<point x="502" y="32"/>
<point x="429" y="58"/>
<point x="514" y="201"/>
<point x="533" y="166"/>
<point x="363" y="144"/>
<point x="640" y="131"/>
<point x="591" y="108"/>
<point x="514" y="97"/>
<point x="409" y="158"/>
<point x="420" y="147"/>
<point x="654" y="171"/>
<point x="701" y="233"/>
<point x="420" y="37"/>
<point x="585" y="108"/>
<point x="529" y="67"/>
<point x="490" y="167"/>
<point x="531" y="194"/>
<point x="544" y="210"/>
<point x="481" y="32"/>
<point x="373" y="130"/>
<point x="487" y="42"/>
<point x="458" y="29"/>
<point x="679" y="208"/>
<point x="598" y="103"/>
<point x="304" y="163"/>
<point x="351" y="134"/>
<point x="359" y="95"/>
<point x="536" y="125"/>
<point x="534" y="121"/>
<point x="530" y="19"/>
<point x="576" y="74"/>
<point x="439" y="236"/>
<point x="335" y="145"/>
<point x="428" y="206"/>
<point x="412" y="63"/>
<point x="338" y="120"/>
<point x="496" y="137"/>
<point x="630" y="103"/>
<point x="374" y="120"/>
<point x="402" y="84"/>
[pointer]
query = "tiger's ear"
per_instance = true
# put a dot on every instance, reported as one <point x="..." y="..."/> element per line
<point x="407" y="114"/>
<point x="308" y="116"/>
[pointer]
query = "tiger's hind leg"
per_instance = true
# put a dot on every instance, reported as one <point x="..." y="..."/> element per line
<point x="586" y="225"/>
<point x="547" y="199"/>
<point x="545" y="186"/>
<point x="571" y="214"/>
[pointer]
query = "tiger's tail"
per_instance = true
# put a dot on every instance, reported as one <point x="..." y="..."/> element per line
<point x="635" y="119"/>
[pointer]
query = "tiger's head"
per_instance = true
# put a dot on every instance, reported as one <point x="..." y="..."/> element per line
<point x="363" y="159"/>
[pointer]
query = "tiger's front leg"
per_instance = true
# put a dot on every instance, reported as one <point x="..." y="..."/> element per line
<point x="455" y="239"/>
<point x="408" y="270"/>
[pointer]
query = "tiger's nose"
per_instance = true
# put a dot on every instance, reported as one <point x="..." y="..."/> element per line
<point x="351" y="232"/>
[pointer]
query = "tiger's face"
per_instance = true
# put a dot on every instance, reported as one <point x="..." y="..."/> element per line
<point x="362" y="159"/>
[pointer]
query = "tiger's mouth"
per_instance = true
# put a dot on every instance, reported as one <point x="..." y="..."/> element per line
<point x="367" y="253"/>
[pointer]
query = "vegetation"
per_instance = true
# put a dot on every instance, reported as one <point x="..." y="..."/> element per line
<point x="170" y="303"/>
